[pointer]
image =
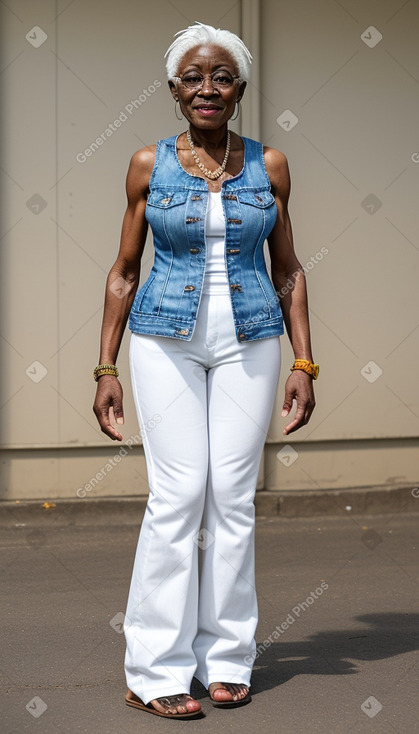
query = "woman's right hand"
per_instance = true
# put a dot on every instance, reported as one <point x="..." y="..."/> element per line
<point x="109" y="394"/>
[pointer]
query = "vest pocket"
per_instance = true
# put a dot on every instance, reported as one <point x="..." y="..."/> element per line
<point x="260" y="199"/>
<point x="165" y="199"/>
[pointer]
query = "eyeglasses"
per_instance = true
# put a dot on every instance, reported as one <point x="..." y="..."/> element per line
<point x="219" y="80"/>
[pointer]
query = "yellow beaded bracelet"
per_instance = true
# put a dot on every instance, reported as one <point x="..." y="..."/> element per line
<point x="105" y="369"/>
<point x="310" y="367"/>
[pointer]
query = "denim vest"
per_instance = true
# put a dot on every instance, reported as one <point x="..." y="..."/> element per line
<point x="167" y="303"/>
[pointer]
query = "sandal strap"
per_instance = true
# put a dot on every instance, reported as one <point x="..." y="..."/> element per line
<point x="169" y="700"/>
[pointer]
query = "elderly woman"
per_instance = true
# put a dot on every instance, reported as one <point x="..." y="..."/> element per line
<point x="205" y="360"/>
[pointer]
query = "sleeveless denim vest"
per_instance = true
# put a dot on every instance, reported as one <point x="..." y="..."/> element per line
<point x="167" y="303"/>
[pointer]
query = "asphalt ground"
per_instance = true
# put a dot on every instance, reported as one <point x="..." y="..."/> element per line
<point x="337" y="636"/>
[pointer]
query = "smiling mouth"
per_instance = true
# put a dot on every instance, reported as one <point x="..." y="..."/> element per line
<point x="207" y="110"/>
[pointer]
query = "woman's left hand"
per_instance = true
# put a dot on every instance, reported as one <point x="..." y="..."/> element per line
<point x="299" y="387"/>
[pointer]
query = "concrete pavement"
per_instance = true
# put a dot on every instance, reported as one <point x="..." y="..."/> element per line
<point x="337" y="636"/>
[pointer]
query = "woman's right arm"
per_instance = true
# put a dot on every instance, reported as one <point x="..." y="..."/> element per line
<point x="121" y="287"/>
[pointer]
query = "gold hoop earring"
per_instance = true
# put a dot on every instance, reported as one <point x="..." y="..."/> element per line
<point x="238" y="111"/>
<point x="181" y="116"/>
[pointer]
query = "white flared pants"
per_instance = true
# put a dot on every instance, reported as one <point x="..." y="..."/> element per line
<point x="204" y="407"/>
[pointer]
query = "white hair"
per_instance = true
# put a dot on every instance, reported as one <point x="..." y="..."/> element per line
<point x="202" y="35"/>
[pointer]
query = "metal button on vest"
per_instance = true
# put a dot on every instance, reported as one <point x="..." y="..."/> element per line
<point x="189" y="288"/>
<point x="234" y="221"/>
<point x="241" y="336"/>
<point x="258" y="198"/>
<point x="232" y="251"/>
<point x="194" y="250"/>
<point x="182" y="332"/>
<point x="236" y="287"/>
<point x="195" y="197"/>
<point x="166" y="201"/>
<point x="192" y="220"/>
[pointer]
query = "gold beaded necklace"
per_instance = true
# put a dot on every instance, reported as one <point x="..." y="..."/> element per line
<point x="218" y="171"/>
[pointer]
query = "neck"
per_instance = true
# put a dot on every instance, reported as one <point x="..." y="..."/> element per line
<point x="209" y="139"/>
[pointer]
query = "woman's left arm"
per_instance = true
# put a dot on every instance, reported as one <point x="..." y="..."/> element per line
<point x="290" y="283"/>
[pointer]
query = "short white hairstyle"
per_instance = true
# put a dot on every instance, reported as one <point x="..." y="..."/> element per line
<point x="203" y="35"/>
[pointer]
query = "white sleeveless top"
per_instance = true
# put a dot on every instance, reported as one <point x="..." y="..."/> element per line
<point x="215" y="274"/>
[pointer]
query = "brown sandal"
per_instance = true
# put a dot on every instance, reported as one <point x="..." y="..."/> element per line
<point x="229" y="704"/>
<point x="132" y="700"/>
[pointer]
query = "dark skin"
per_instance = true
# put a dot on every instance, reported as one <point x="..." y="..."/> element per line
<point x="209" y="134"/>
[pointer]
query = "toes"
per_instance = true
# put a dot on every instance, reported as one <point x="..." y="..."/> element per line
<point x="220" y="692"/>
<point x="163" y="708"/>
<point x="181" y="707"/>
<point x="228" y="691"/>
<point x="234" y="690"/>
<point x="183" y="704"/>
<point x="223" y="694"/>
<point x="239" y="691"/>
<point x="187" y="704"/>
<point x="192" y="705"/>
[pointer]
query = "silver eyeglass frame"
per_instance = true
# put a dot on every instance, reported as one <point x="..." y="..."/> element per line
<point x="200" y="85"/>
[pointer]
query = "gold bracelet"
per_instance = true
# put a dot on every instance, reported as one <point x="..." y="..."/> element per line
<point x="105" y="369"/>
<point x="310" y="367"/>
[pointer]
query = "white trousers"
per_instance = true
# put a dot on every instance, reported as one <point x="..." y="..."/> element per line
<point x="204" y="407"/>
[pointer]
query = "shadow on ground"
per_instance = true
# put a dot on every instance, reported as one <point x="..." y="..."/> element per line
<point x="333" y="653"/>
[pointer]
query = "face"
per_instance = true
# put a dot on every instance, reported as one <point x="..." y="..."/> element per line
<point x="207" y="107"/>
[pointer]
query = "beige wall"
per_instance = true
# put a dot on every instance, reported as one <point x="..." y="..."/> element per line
<point x="357" y="110"/>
